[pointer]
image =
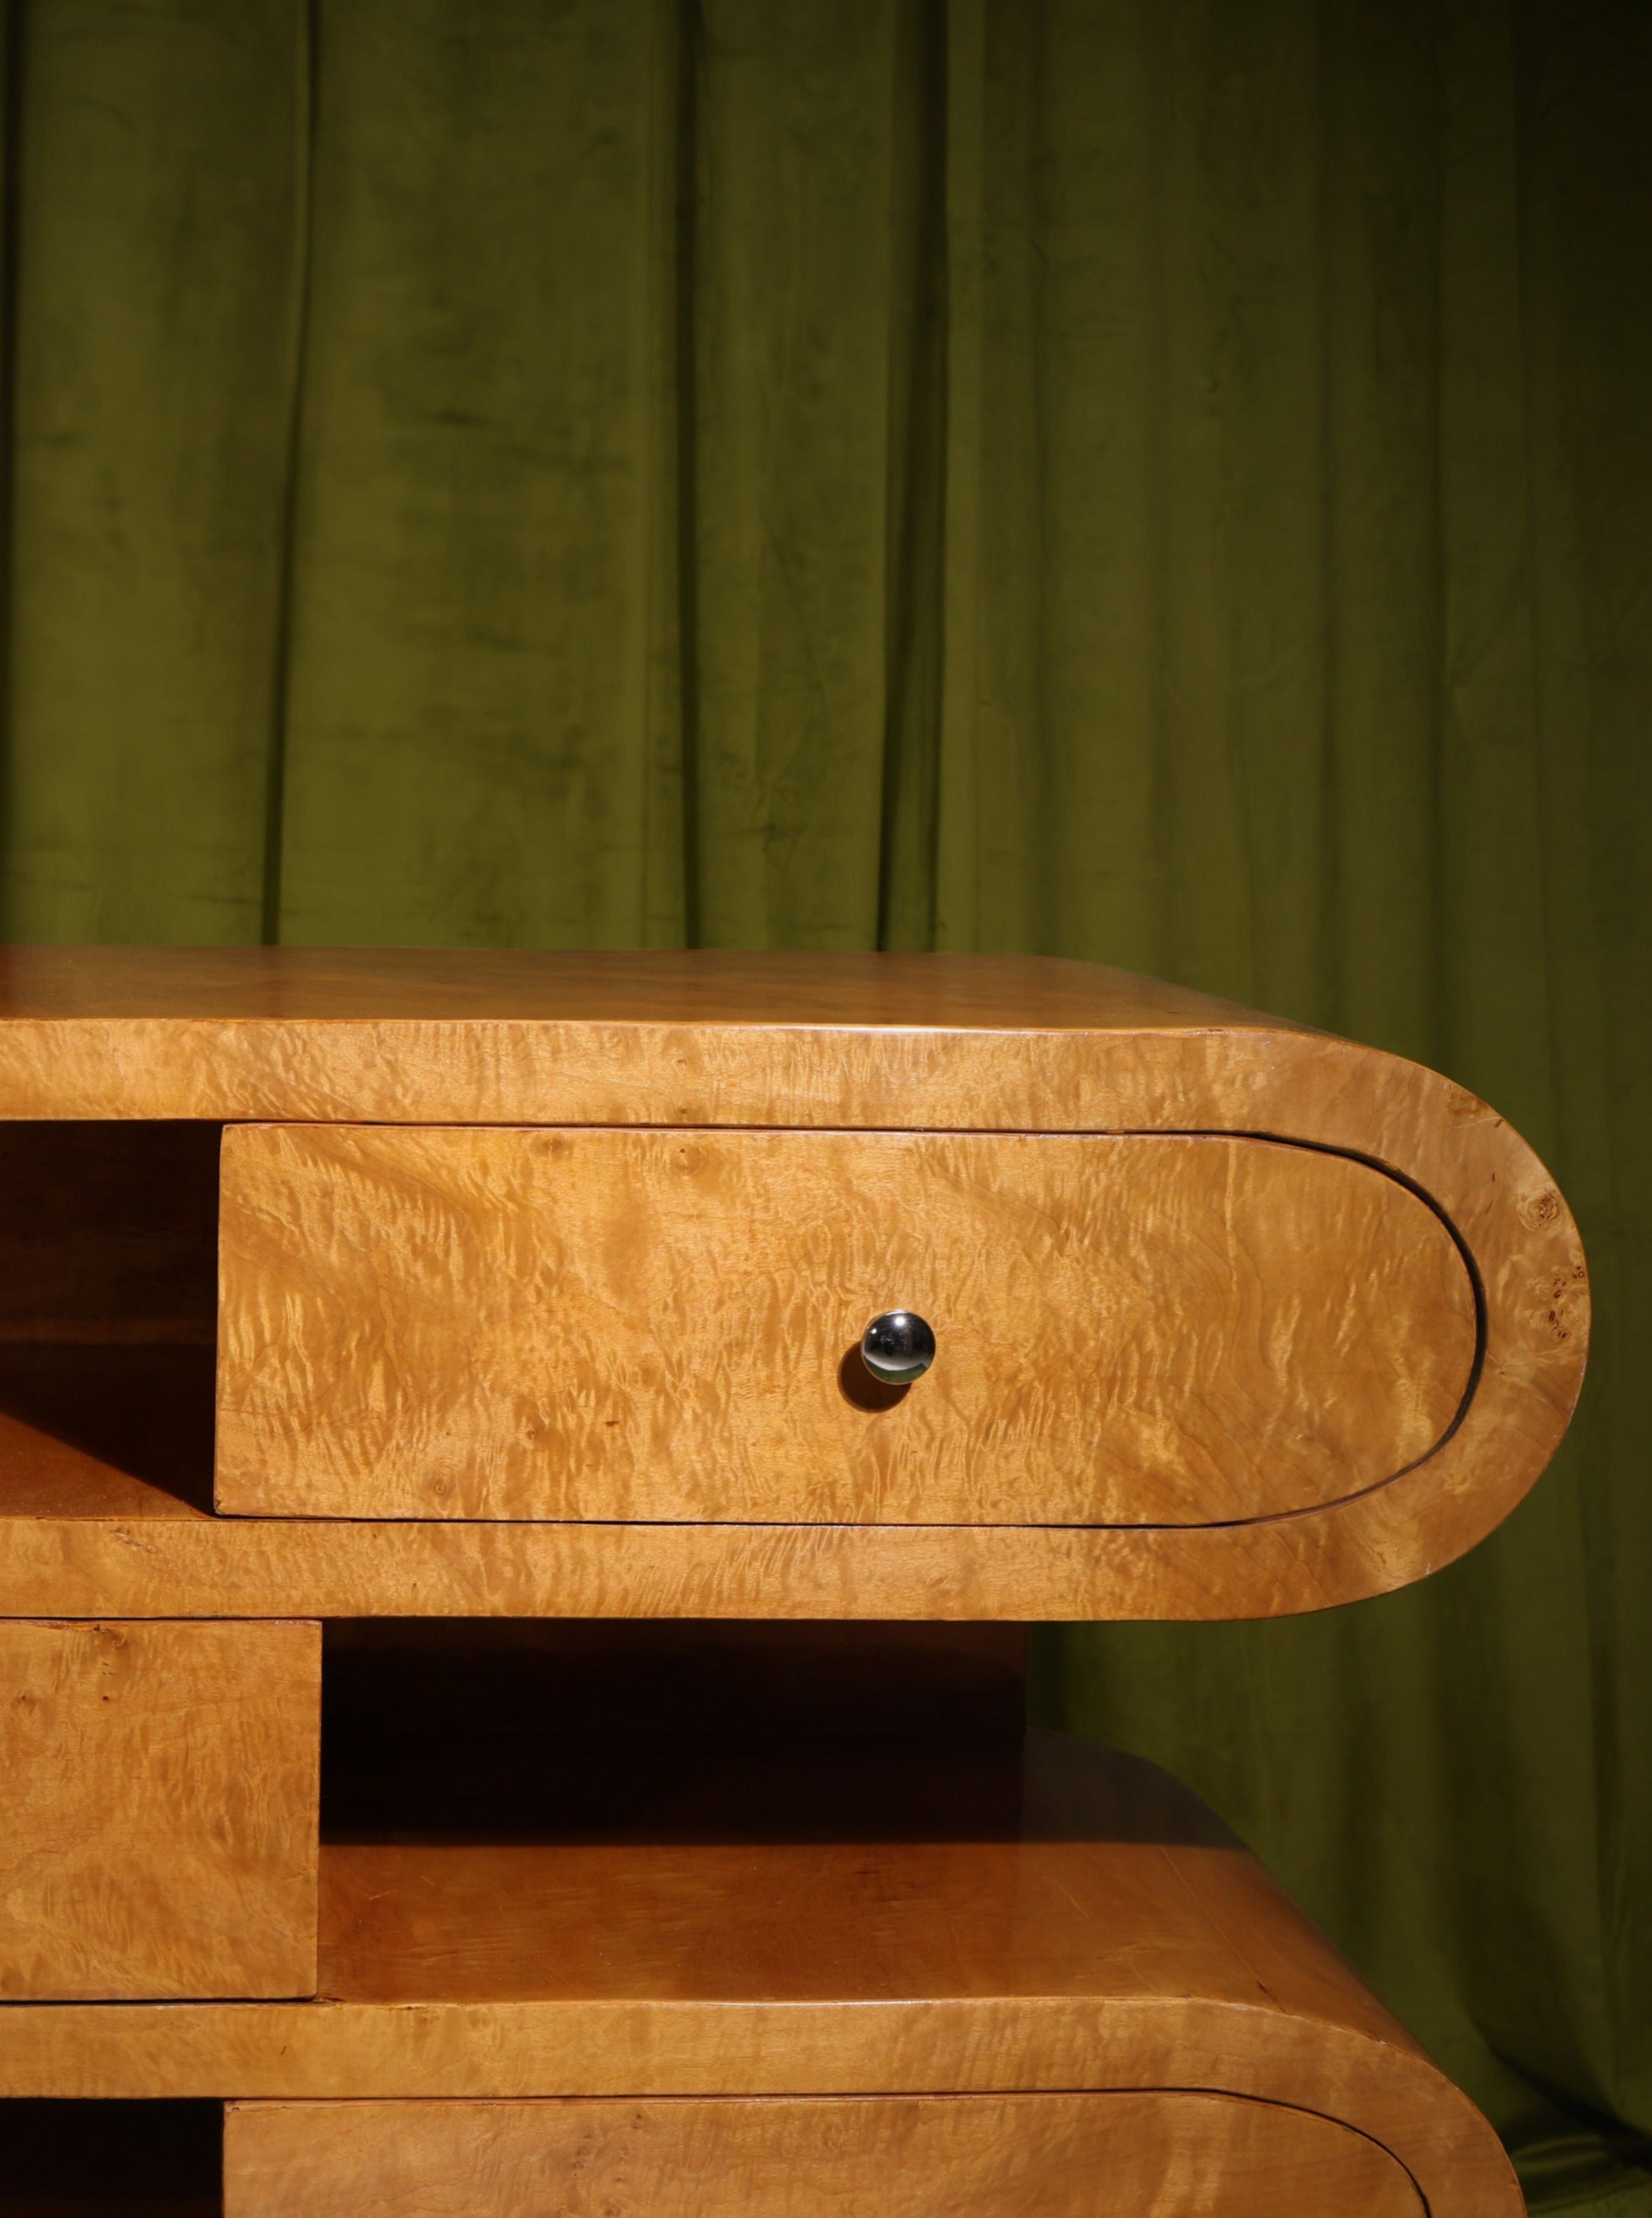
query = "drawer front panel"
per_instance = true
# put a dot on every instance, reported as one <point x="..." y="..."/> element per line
<point x="645" y="1324"/>
<point x="1153" y="2155"/>
<point x="158" y="1804"/>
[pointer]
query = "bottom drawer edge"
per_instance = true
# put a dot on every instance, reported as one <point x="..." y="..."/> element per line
<point x="1158" y="2153"/>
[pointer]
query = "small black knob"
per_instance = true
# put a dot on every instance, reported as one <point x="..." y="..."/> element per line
<point x="897" y="1347"/>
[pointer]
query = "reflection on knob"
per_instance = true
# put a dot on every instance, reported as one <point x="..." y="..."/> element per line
<point x="897" y="1347"/>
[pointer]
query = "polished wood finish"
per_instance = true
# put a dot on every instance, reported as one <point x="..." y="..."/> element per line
<point x="1113" y="1937"/>
<point x="603" y="1324"/>
<point x="835" y="1942"/>
<point x="158" y="1809"/>
<point x="825" y="1922"/>
<point x="250" y="988"/>
<point x="916" y="1044"/>
<point x="125" y="1548"/>
<point x="1152" y="2155"/>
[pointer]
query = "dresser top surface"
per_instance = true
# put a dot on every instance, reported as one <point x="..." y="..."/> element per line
<point x="712" y="987"/>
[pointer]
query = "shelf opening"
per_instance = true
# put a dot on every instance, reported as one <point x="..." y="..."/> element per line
<point x="578" y="1731"/>
<point x="108" y="1244"/>
<point x="110" y="2159"/>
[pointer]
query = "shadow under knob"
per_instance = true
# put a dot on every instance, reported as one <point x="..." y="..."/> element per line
<point x="897" y="1347"/>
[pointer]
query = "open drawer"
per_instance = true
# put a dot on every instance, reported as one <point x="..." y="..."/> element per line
<point x="510" y="1322"/>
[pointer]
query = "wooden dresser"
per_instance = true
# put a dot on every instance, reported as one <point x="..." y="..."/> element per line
<point x="521" y="1480"/>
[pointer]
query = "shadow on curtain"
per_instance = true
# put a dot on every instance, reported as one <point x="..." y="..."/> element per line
<point x="1171" y="484"/>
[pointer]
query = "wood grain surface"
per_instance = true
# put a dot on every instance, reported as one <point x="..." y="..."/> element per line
<point x="501" y="1322"/>
<point x="1123" y="1941"/>
<point x="920" y="1043"/>
<point x="158" y="1809"/>
<point x="288" y="986"/>
<point x="79" y="1540"/>
<point x="716" y="1923"/>
<point x="1109" y="1883"/>
<point x="1153" y="2155"/>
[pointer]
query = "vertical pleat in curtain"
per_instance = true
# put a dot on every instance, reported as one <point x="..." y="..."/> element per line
<point x="1169" y="484"/>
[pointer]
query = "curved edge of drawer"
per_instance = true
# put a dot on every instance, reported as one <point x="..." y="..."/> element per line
<point x="340" y="2051"/>
<point x="1512" y="1225"/>
<point x="1161" y="2150"/>
<point x="1522" y="1248"/>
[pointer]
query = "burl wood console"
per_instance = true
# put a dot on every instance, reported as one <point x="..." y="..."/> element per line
<point x="521" y="1478"/>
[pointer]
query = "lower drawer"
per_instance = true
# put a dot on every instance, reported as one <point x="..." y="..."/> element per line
<point x="1159" y="2155"/>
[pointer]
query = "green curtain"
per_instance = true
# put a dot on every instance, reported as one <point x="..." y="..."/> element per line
<point x="1163" y="480"/>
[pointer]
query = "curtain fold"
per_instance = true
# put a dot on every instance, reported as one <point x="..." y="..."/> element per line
<point x="1171" y="484"/>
